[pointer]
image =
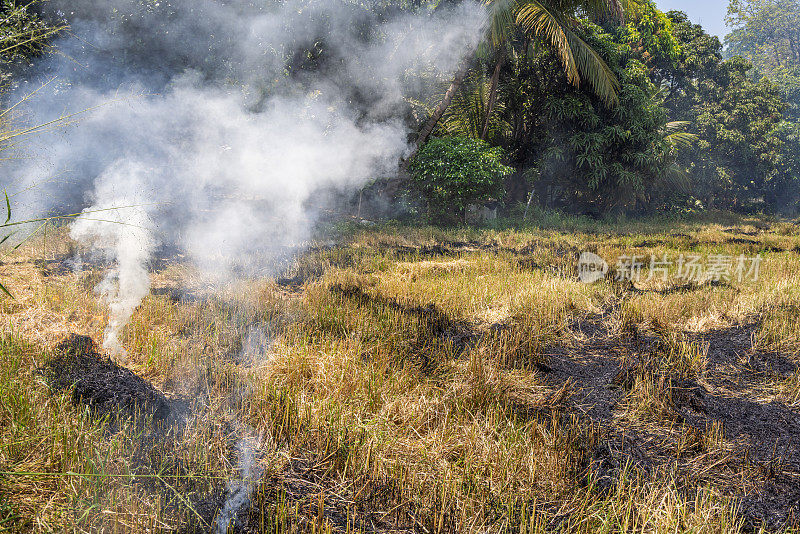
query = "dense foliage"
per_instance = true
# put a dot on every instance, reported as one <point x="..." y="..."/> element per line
<point x="736" y="118"/>
<point x="572" y="149"/>
<point x="767" y="34"/>
<point x="598" y="159"/>
<point x="454" y="172"/>
<point x="690" y="130"/>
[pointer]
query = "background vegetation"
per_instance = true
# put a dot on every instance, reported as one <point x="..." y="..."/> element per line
<point x="681" y="123"/>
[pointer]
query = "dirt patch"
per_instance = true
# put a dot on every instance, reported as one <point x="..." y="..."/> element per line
<point x="104" y="386"/>
<point x="598" y="363"/>
<point x="732" y="363"/>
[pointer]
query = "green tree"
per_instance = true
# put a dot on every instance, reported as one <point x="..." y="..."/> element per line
<point x="556" y="24"/>
<point x="597" y="159"/>
<point x="454" y="172"/>
<point x="737" y="119"/>
<point x="766" y="32"/>
<point x="533" y="121"/>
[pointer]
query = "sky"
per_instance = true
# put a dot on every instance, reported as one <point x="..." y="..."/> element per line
<point x="709" y="13"/>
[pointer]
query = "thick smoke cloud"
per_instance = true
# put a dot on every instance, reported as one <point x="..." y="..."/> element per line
<point x="220" y="120"/>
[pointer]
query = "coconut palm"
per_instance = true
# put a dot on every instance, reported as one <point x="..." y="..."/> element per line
<point x="554" y="23"/>
<point x="470" y="111"/>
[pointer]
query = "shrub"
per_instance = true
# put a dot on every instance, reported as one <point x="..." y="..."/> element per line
<point x="454" y="172"/>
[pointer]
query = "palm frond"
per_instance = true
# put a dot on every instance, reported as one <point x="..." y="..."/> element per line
<point x="501" y="20"/>
<point x="618" y="10"/>
<point x="682" y="139"/>
<point x="677" y="138"/>
<point x="677" y="126"/>
<point x="544" y="23"/>
<point x="676" y="178"/>
<point x="578" y="58"/>
<point x="467" y="112"/>
<point x="594" y="69"/>
<point x="631" y="9"/>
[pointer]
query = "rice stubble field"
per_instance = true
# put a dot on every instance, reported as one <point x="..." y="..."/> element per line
<point x="414" y="380"/>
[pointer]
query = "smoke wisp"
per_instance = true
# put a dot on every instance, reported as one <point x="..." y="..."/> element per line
<point x="239" y="490"/>
<point x="119" y="228"/>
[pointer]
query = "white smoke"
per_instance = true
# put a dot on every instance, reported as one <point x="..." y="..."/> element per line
<point x="256" y="344"/>
<point x="239" y="490"/>
<point x="118" y="227"/>
<point x="210" y="122"/>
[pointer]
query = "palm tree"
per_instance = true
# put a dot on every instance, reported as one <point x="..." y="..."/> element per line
<point x="556" y="24"/>
<point x="469" y="113"/>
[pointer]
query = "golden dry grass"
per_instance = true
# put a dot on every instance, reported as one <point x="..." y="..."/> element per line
<point x="423" y="380"/>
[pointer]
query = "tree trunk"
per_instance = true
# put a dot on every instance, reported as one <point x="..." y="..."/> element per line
<point x="527" y="207"/>
<point x="426" y="130"/>
<point x="492" y="97"/>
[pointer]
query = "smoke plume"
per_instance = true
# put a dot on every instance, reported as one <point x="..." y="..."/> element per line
<point x="118" y="227"/>
<point x="239" y="490"/>
<point x="211" y="125"/>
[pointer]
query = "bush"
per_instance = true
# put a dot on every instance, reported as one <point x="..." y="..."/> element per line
<point x="454" y="172"/>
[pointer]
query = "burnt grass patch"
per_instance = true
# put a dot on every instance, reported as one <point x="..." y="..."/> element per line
<point x="313" y="263"/>
<point x="433" y="323"/>
<point x="595" y="380"/>
<point x="455" y="248"/>
<point x="758" y="462"/>
<point x="107" y="388"/>
<point x="119" y="396"/>
<point x="556" y="258"/>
